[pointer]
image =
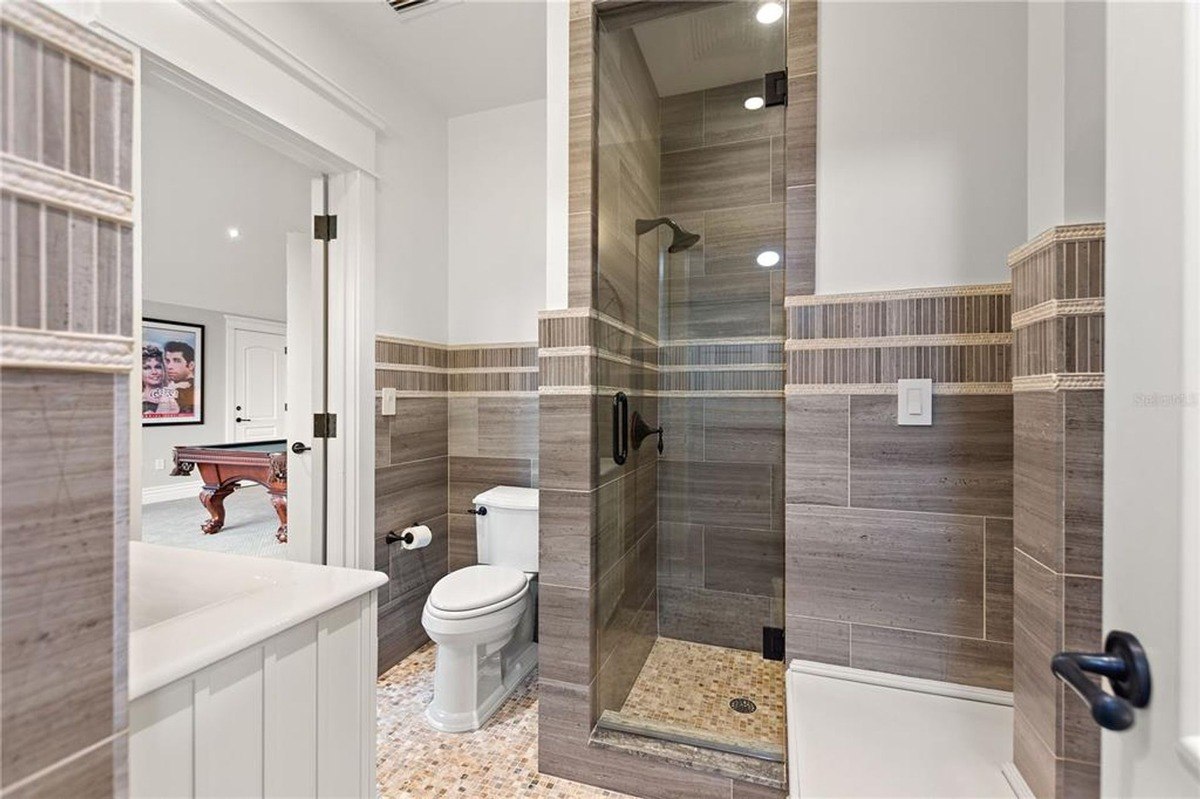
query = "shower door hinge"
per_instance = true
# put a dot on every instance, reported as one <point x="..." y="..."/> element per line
<point x="325" y="227"/>
<point x="772" y="643"/>
<point x="775" y="88"/>
<point x="324" y="425"/>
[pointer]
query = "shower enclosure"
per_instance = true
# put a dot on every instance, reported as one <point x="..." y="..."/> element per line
<point x="689" y="289"/>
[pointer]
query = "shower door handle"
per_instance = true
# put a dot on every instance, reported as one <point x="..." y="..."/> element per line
<point x="620" y="428"/>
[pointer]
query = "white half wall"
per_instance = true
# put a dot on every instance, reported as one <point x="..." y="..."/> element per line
<point x="497" y="193"/>
<point x="921" y="156"/>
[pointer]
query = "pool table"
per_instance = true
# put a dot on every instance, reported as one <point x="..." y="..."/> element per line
<point x="224" y="466"/>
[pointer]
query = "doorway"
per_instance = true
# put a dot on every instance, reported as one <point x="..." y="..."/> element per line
<point x="221" y="284"/>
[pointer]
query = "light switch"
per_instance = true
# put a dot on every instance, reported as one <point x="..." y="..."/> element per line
<point x="388" y="403"/>
<point x="914" y="402"/>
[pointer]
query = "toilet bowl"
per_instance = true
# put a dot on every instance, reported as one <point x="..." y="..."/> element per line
<point x="482" y="617"/>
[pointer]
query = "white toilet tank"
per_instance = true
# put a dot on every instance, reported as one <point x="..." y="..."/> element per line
<point x="507" y="534"/>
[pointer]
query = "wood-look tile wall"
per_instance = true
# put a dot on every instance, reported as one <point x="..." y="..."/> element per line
<point x="1058" y="413"/>
<point x="899" y="539"/>
<point x="466" y="420"/>
<point x="65" y="355"/>
<point x="723" y="178"/>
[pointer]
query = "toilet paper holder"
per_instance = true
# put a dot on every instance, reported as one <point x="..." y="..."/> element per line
<point x="400" y="538"/>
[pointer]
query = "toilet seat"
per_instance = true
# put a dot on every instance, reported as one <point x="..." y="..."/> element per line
<point x="476" y="591"/>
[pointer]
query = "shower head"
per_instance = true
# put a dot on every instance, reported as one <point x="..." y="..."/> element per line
<point x="680" y="241"/>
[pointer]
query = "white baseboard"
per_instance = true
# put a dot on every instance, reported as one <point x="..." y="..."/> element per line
<point x="184" y="489"/>
<point x="1017" y="782"/>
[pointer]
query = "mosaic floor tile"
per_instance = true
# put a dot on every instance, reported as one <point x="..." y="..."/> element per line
<point x="688" y="685"/>
<point x="498" y="761"/>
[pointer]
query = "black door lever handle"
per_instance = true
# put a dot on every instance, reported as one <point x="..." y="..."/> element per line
<point x="300" y="448"/>
<point x="1123" y="662"/>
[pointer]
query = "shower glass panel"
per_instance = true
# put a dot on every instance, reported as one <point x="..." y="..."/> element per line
<point x="690" y="186"/>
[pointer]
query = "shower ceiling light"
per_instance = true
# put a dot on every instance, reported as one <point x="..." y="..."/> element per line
<point x="768" y="258"/>
<point x="754" y="103"/>
<point x="769" y="12"/>
<point x="234" y="233"/>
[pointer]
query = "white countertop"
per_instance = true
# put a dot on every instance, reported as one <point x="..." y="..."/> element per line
<point x="189" y="609"/>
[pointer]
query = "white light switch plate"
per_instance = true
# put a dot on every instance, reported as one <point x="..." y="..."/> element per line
<point x="914" y="401"/>
<point x="388" y="403"/>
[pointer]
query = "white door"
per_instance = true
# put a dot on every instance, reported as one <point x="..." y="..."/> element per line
<point x="259" y="384"/>
<point x="1152" y="396"/>
<point x="305" y="281"/>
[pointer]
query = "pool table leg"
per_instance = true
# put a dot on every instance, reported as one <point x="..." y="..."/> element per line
<point x="280" y="503"/>
<point x="213" y="499"/>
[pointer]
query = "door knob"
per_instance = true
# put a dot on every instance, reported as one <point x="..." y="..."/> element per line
<point x="1123" y="662"/>
<point x="299" y="448"/>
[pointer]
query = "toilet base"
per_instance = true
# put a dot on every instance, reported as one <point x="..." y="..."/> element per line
<point x="514" y="667"/>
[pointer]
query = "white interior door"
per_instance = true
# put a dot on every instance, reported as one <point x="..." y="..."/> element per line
<point x="1152" y="397"/>
<point x="305" y="282"/>
<point x="259" y="384"/>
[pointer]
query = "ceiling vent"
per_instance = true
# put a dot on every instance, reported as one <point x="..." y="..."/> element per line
<point x="407" y="5"/>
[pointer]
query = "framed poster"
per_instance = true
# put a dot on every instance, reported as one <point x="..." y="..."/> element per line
<point x="172" y="373"/>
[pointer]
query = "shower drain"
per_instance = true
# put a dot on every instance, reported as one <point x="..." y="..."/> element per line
<point x="743" y="705"/>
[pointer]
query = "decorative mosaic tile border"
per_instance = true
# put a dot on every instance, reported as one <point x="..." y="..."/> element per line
<point x="422" y="368"/>
<point x="56" y="187"/>
<point x="40" y="22"/>
<point x="958" y="336"/>
<point x="1058" y="322"/>
<point x="22" y="348"/>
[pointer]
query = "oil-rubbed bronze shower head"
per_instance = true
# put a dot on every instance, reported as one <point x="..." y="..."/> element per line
<point x="680" y="241"/>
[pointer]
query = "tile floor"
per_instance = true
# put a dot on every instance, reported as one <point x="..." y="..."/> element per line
<point x="689" y="685"/>
<point x="498" y="761"/>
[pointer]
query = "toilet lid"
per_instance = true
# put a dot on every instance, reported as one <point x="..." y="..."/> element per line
<point x="476" y="587"/>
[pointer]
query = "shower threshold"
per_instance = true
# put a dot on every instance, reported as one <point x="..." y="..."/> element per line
<point x="745" y="747"/>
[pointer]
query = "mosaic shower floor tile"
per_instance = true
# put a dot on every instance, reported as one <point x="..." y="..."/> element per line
<point x="690" y="686"/>
<point x="498" y="761"/>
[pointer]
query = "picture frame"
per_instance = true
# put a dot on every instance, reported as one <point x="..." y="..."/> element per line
<point x="172" y="385"/>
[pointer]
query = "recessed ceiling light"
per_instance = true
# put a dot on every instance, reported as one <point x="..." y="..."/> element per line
<point x="754" y="103"/>
<point x="769" y="12"/>
<point x="234" y="233"/>
<point x="768" y="258"/>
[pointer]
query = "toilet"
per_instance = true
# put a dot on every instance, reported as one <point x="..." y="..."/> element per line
<point x="482" y="617"/>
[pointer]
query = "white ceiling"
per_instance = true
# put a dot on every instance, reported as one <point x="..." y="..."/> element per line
<point x="714" y="47"/>
<point x="464" y="55"/>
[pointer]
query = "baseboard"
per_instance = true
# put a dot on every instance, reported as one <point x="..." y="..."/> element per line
<point x="184" y="489"/>
<point x="921" y="685"/>
<point x="1017" y="782"/>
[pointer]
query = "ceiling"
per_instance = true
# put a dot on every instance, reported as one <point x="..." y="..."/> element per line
<point x="712" y="47"/>
<point x="463" y="55"/>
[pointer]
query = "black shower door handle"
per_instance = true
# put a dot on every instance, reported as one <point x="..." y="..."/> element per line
<point x="620" y="428"/>
<point x="1123" y="663"/>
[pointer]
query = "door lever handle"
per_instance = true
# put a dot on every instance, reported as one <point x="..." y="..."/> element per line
<point x="1123" y="662"/>
<point x="300" y="448"/>
<point x="241" y="419"/>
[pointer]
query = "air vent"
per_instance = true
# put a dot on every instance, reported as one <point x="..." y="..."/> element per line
<point x="407" y="5"/>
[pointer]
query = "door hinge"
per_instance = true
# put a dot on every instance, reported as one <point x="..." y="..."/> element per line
<point x="775" y="88"/>
<point x="325" y="227"/>
<point x="772" y="643"/>
<point x="324" y="425"/>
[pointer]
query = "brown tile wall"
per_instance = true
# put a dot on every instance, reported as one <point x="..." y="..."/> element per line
<point x="722" y="170"/>
<point x="65" y="267"/>
<point x="465" y="421"/>
<point x="899" y="539"/>
<point x="1058" y="507"/>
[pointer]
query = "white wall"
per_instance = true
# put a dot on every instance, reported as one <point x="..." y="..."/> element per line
<point x="921" y="143"/>
<point x="497" y="192"/>
<point x="1066" y="83"/>
<point x="201" y="177"/>
<point x="411" y="234"/>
